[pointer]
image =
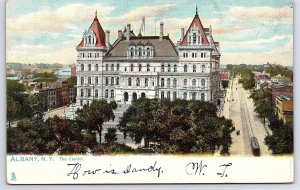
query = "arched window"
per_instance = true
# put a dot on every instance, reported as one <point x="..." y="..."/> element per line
<point x="96" y="93"/>
<point x="185" y="68"/>
<point x="174" y="95"/>
<point x="168" y="82"/>
<point x="82" y="80"/>
<point x="162" y="68"/>
<point x="82" y="67"/>
<point x="162" y="95"/>
<point x="96" y="67"/>
<point x="185" y="82"/>
<point x="112" y="81"/>
<point x="169" y="68"/>
<point x="194" y="68"/>
<point x="118" y="67"/>
<point x="140" y="51"/>
<point x="89" y="92"/>
<point x="117" y="81"/>
<point x="202" y="97"/>
<point x="112" y="67"/>
<point x="175" y="68"/>
<point x="89" y="80"/>
<point x="90" y="67"/>
<point x="148" y="67"/>
<point x="146" y="81"/>
<point x="106" y="67"/>
<point x="194" y="95"/>
<point x="81" y="102"/>
<point x="131" y="67"/>
<point x="81" y="92"/>
<point x="175" y="83"/>
<point x="126" y="96"/>
<point x="106" y="93"/>
<point x="203" y="68"/>
<point x="138" y="82"/>
<point x="129" y="81"/>
<point x="185" y="96"/>
<point x="96" y="80"/>
<point x="168" y="95"/>
<point x="112" y="93"/>
<point x="202" y="83"/>
<point x="194" y="82"/>
<point x="140" y="67"/>
<point x="106" y="81"/>
<point x="162" y="84"/>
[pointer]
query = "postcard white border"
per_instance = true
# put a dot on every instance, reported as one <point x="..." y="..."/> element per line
<point x="3" y="184"/>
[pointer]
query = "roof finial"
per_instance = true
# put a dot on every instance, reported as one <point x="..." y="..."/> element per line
<point x="196" y="10"/>
<point x="96" y="14"/>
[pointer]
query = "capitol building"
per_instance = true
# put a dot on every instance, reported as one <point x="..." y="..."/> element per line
<point x="137" y="66"/>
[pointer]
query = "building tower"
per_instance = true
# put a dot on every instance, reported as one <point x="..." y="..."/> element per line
<point x="90" y="53"/>
<point x="199" y="57"/>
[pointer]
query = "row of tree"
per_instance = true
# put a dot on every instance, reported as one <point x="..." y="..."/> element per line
<point x="178" y="126"/>
<point x="282" y="137"/>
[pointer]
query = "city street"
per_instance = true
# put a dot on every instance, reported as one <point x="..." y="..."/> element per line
<point x="240" y="108"/>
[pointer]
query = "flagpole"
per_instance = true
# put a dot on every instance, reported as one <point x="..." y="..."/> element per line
<point x="154" y="26"/>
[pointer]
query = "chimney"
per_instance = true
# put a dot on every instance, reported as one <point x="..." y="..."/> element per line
<point x="182" y="34"/>
<point x="107" y="38"/>
<point x="128" y="32"/>
<point x="210" y="30"/>
<point x="161" y="33"/>
<point x="120" y="35"/>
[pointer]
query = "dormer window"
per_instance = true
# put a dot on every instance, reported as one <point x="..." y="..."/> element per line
<point x="89" y="38"/>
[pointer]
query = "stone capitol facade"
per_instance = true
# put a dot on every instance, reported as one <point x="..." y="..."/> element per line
<point x="137" y="66"/>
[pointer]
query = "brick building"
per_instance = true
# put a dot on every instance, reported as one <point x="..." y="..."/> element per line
<point x="277" y="90"/>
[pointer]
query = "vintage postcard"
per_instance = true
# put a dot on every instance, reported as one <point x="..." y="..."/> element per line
<point x="116" y="92"/>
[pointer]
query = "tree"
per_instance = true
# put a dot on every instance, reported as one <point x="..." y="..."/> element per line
<point x="92" y="117"/>
<point x="138" y="121"/>
<point x="72" y="81"/>
<point x="30" y="136"/>
<point x="13" y="109"/>
<point x="257" y="95"/>
<point x="111" y="136"/>
<point x="225" y="83"/>
<point x="178" y="126"/>
<point x="14" y="87"/>
<point x="281" y="141"/>
<point x="35" y="102"/>
<point x="264" y="109"/>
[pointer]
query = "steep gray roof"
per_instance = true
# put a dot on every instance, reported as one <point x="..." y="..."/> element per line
<point x="163" y="50"/>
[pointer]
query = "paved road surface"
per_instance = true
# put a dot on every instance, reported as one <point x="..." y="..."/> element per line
<point x="240" y="108"/>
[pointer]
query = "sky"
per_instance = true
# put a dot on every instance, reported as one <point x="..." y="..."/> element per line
<point x="249" y="32"/>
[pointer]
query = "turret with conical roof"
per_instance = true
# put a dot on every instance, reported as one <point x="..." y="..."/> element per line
<point x="95" y="36"/>
<point x="195" y="35"/>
